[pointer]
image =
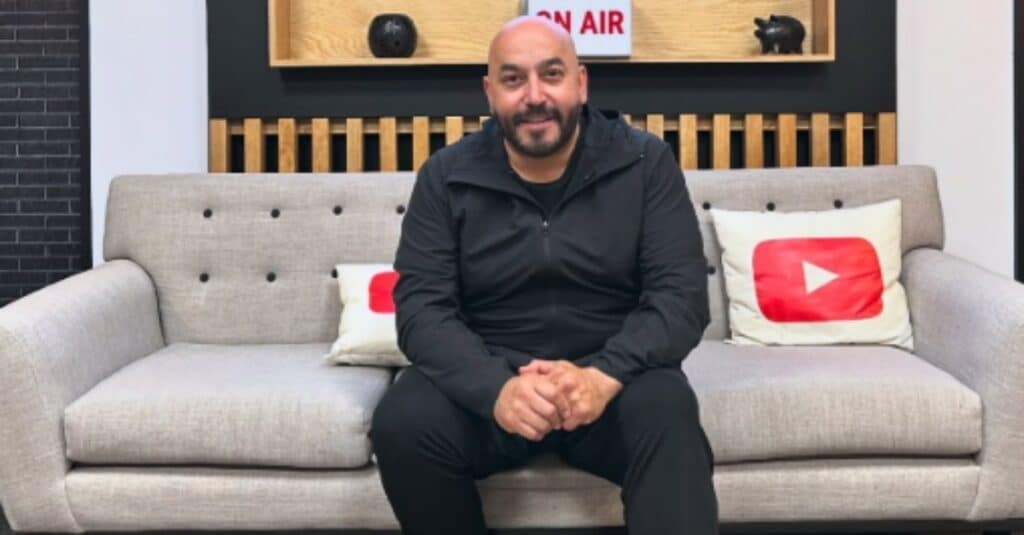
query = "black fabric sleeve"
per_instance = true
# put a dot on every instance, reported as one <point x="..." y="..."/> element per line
<point x="673" y="308"/>
<point x="432" y="332"/>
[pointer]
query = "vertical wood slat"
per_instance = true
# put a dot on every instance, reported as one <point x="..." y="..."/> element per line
<point x="219" y="159"/>
<point x="353" y="144"/>
<point x="885" y="138"/>
<point x="853" y="132"/>
<point x="720" y="126"/>
<point x="388" y="132"/>
<point x="820" y="140"/>
<point x="287" y="146"/>
<point x="628" y="118"/>
<point x="753" y="140"/>
<point x="420" y="141"/>
<point x="687" y="141"/>
<point x="321" y="145"/>
<point x="454" y="128"/>
<point x="255" y="160"/>
<point x="785" y="140"/>
<point x="656" y="124"/>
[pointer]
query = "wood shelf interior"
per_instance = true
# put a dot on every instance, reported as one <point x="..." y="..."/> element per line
<point x="307" y="33"/>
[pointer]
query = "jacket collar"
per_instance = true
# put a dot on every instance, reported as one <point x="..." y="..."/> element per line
<point x="607" y="146"/>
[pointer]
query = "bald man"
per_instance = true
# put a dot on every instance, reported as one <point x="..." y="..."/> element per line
<point x="551" y="282"/>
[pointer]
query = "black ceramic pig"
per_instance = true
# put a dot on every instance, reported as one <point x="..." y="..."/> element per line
<point x="392" y="35"/>
<point x="781" y="32"/>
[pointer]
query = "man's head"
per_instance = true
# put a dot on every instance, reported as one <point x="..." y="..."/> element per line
<point x="535" y="85"/>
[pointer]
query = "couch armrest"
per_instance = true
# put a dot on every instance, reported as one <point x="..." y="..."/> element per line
<point x="969" y="321"/>
<point x="55" y="344"/>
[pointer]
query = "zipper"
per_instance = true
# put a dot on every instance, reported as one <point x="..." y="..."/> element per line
<point x="545" y="225"/>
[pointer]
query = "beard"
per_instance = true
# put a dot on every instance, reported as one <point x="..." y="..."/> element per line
<point x="533" y="146"/>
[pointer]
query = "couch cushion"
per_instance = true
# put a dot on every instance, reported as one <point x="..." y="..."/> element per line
<point x="776" y="402"/>
<point x="273" y="405"/>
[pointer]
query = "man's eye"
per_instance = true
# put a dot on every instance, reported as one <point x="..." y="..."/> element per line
<point x="510" y="79"/>
<point x="554" y="73"/>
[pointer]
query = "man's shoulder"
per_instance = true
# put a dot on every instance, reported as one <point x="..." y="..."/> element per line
<point x="442" y="161"/>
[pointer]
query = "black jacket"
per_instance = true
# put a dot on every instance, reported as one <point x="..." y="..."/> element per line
<point x="615" y="278"/>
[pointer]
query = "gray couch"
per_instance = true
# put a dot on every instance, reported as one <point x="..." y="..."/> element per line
<point x="180" y="386"/>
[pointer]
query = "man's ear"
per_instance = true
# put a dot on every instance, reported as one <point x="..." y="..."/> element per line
<point x="583" y="82"/>
<point x="487" y="90"/>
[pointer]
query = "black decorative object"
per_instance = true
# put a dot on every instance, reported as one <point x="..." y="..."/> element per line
<point x="392" y="35"/>
<point x="780" y="32"/>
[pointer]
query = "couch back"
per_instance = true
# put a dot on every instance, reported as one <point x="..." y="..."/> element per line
<point x="210" y="242"/>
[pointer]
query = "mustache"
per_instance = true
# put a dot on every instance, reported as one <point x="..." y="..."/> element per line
<point x="537" y="113"/>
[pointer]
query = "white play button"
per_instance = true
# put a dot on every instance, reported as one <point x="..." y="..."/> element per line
<point x="816" y="277"/>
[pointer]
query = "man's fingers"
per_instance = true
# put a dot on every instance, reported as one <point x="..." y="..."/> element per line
<point x="534" y="421"/>
<point x="544" y="408"/>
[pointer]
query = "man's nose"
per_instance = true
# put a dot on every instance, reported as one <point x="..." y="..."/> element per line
<point x="534" y="91"/>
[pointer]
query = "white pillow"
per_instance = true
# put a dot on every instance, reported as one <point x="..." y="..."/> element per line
<point x="366" y="330"/>
<point x="824" y="277"/>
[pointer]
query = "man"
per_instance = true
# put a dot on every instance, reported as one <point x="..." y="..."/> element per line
<point x="551" y="281"/>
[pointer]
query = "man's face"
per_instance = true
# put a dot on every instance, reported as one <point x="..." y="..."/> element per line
<point x="536" y="89"/>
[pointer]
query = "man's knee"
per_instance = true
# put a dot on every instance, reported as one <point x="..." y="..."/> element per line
<point x="410" y="407"/>
<point x="660" y="396"/>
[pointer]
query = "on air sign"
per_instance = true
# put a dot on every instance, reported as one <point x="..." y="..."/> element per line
<point x="599" y="28"/>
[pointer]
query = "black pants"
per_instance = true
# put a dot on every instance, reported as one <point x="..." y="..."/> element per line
<point x="649" y="441"/>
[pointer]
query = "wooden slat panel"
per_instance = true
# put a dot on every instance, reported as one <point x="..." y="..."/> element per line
<point x="853" y="133"/>
<point x="628" y="118"/>
<point x="656" y="124"/>
<point x="219" y="159"/>
<point x="720" y="141"/>
<point x="420" y="141"/>
<point x="353" y="144"/>
<point x="687" y="141"/>
<point x="321" y="145"/>
<point x="454" y="128"/>
<point x="388" y="144"/>
<point x="753" y="140"/>
<point x="820" y="140"/>
<point x="254" y="157"/>
<point x="885" y="138"/>
<point x="785" y="140"/>
<point x="287" y="146"/>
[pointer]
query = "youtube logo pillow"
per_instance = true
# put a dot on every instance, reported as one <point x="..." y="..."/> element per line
<point x="366" y="331"/>
<point x="823" y="277"/>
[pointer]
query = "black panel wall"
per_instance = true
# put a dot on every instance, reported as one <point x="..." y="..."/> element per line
<point x="44" y="184"/>
<point x="242" y="84"/>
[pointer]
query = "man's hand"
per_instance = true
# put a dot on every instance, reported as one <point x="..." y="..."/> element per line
<point x="588" y="390"/>
<point x="531" y="406"/>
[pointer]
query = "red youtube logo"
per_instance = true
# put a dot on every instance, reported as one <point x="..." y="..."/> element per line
<point x="381" y="287"/>
<point x="817" y="279"/>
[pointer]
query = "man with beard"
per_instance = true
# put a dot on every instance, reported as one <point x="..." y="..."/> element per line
<point x="551" y="282"/>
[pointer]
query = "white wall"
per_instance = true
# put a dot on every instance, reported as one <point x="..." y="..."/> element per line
<point x="149" y="93"/>
<point x="954" y="108"/>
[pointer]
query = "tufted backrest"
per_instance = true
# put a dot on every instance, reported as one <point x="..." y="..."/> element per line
<point x="248" y="258"/>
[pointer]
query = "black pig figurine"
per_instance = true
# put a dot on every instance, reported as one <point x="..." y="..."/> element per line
<point x="786" y="33"/>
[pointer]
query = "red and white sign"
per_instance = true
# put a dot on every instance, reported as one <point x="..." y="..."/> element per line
<point x="817" y="279"/>
<point x="600" y="28"/>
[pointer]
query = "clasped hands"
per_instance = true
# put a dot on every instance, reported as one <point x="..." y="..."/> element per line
<point x="553" y="394"/>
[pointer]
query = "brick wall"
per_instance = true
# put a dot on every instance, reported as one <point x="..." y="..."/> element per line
<point x="41" y="189"/>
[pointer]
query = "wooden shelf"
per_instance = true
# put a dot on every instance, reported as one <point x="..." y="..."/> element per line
<point x="327" y="33"/>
